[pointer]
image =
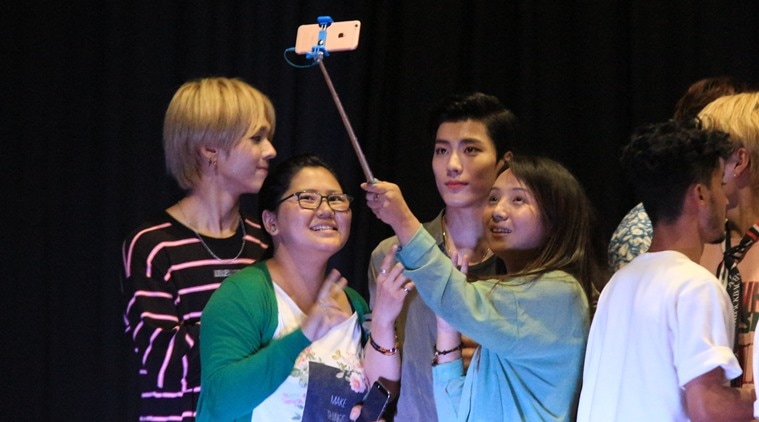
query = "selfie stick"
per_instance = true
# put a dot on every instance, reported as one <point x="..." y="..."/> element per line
<point x="318" y="52"/>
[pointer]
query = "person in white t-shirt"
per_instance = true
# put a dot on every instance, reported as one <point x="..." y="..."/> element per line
<point x="660" y="345"/>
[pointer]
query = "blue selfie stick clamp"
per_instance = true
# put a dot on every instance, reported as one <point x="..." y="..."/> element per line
<point x="320" y="49"/>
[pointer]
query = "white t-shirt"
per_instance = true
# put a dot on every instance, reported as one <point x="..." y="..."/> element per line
<point x="662" y="321"/>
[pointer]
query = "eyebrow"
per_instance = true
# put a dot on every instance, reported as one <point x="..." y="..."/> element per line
<point x="463" y="141"/>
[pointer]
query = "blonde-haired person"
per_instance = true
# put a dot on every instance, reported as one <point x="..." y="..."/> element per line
<point x="738" y="115"/>
<point x="217" y="144"/>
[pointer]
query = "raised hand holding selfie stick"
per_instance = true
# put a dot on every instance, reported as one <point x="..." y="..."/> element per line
<point x="317" y="53"/>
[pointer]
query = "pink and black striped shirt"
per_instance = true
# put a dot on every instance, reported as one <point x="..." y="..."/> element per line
<point x="169" y="275"/>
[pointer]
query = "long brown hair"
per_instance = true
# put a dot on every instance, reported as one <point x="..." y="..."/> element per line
<point x="568" y="217"/>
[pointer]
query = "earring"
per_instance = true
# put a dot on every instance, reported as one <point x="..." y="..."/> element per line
<point x="273" y="228"/>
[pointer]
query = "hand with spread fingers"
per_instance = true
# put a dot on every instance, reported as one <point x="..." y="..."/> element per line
<point x="326" y="312"/>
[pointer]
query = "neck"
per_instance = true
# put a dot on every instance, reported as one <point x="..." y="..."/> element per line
<point x="744" y="214"/>
<point x="681" y="236"/>
<point x="464" y="233"/>
<point x="301" y="278"/>
<point x="209" y="213"/>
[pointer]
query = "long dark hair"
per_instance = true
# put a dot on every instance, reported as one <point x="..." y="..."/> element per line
<point x="568" y="217"/>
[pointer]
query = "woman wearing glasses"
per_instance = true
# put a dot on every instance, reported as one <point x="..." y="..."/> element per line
<point x="283" y="339"/>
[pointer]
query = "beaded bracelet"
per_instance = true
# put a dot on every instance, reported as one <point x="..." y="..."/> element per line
<point x="439" y="353"/>
<point x="386" y="352"/>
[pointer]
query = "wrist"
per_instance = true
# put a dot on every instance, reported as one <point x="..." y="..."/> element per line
<point x="385" y="351"/>
<point x="447" y="355"/>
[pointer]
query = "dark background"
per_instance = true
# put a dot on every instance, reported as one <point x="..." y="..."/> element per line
<point x="85" y="85"/>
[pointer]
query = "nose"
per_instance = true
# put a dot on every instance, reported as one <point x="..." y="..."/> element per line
<point x="499" y="212"/>
<point x="268" y="150"/>
<point x="322" y="209"/>
<point x="454" y="163"/>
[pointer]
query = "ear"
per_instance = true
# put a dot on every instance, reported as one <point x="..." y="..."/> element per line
<point x="270" y="222"/>
<point x="695" y="198"/>
<point x="504" y="160"/>
<point x="742" y="160"/>
<point x="208" y="152"/>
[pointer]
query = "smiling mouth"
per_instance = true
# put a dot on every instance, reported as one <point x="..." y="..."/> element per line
<point x="500" y="230"/>
<point x="323" y="227"/>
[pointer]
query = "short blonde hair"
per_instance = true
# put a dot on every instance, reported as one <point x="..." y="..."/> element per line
<point x="737" y="115"/>
<point x="214" y="112"/>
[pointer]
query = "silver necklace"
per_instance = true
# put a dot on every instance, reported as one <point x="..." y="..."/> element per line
<point x="202" y="242"/>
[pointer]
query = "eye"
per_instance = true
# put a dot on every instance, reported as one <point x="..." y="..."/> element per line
<point x="336" y="198"/>
<point x="257" y="139"/>
<point x="493" y="199"/>
<point x="471" y="150"/>
<point x="309" y="197"/>
<point x="518" y="199"/>
<point x="440" y="151"/>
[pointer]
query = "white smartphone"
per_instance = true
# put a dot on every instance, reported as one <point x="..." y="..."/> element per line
<point x="341" y="36"/>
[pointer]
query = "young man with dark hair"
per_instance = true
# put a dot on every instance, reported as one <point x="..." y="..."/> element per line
<point x="660" y="346"/>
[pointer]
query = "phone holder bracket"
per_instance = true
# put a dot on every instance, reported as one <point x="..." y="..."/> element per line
<point x="319" y="51"/>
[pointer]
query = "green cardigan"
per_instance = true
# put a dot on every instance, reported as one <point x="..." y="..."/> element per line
<point x="241" y="365"/>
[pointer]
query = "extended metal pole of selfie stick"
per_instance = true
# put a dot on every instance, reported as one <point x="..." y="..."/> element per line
<point x="317" y="54"/>
<point x="354" y="141"/>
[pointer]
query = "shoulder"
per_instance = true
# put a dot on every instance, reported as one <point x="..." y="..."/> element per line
<point x="631" y="238"/>
<point x="357" y="301"/>
<point x="252" y="223"/>
<point x="158" y="227"/>
<point x="673" y="270"/>
<point x="253" y="278"/>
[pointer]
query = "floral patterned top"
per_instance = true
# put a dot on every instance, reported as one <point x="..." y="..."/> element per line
<point x="631" y="238"/>
<point x="340" y="349"/>
<point x="254" y="351"/>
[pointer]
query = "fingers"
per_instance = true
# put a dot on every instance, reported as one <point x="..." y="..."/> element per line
<point x="387" y="262"/>
<point x="355" y="412"/>
<point x="332" y="286"/>
<point x="461" y="262"/>
<point x="464" y="265"/>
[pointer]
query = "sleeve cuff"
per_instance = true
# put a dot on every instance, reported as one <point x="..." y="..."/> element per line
<point x="704" y="362"/>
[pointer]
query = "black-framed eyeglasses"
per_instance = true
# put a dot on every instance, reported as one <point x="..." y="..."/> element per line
<point x="339" y="202"/>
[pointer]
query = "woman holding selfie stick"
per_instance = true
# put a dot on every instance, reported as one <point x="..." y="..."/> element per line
<point x="283" y="339"/>
<point x="532" y="323"/>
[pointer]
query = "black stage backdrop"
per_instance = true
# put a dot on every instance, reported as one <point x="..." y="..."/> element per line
<point x="85" y="86"/>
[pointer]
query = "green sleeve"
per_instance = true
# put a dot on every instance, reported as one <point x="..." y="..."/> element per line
<point x="241" y="365"/>
<point x="361" y="307"/>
